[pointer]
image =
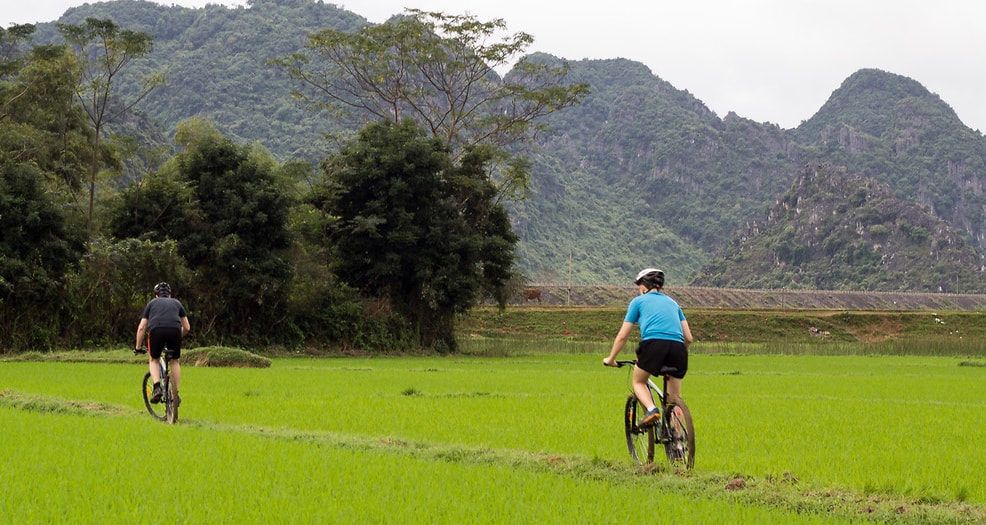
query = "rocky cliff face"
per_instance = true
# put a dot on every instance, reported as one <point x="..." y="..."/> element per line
<point x="701" y="179"/>
<point x="839" y="231"/>
<point x="891" y="129"/>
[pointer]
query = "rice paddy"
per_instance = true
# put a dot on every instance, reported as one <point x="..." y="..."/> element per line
<point x="504" y="432"/>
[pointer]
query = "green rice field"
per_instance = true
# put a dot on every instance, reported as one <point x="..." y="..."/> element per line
<point x="495" y="436"/>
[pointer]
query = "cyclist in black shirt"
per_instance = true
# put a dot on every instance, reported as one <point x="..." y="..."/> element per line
<point x="165" y="322"/>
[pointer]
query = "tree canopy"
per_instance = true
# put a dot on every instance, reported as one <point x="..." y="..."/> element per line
<point x="415" y="229"/>
<point x="439" y="70"/>
<point x="227" y="210"/>
<point x="103" y="50"/>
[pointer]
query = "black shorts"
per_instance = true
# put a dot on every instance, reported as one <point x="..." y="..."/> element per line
<point x="653" y="355"/>
<point x="169" y="338"/>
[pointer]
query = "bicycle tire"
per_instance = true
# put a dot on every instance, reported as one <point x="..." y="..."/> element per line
<point x="170" y="405"/>
<point x="640" y="441"/>
<point x="148" y="387"/>
<point x="678" y="436"/>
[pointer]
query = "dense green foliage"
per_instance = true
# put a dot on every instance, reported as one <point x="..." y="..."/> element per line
<point x="37" y="248"/>
<point x="42" y="139"/>
<point x="415" y="230"/>
<point x="240" y="236"/>
<point x="227" y="211"/>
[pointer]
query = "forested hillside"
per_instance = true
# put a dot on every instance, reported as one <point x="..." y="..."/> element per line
<point x="640" y="174"/>
<point x="644" y="174"/>
<point x="214" y="60"/>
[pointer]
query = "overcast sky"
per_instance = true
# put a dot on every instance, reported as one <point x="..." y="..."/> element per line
<point x="768" y="60"/>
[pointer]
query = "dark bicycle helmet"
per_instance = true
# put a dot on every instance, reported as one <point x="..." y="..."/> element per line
<point x="650" y="277"/>
<point x="162" y="290"/>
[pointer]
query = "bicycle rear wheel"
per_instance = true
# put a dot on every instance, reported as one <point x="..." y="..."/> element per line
<point x="640" y="441"/>
<point x="156" y="410"/>
<point x="678" y="436"/>
<point x="170" y="402"/>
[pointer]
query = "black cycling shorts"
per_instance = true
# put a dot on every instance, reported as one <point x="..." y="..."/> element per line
<point x="169" y="338"/>
<point x="653" y="355"/>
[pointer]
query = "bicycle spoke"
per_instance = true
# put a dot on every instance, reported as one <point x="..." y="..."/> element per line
<point x="640" y="441"/>
<point x="678" y="437"/>
<point x="156" y="410"/>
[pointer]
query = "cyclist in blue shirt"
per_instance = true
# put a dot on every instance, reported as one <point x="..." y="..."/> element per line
<point x="664" y="340"/>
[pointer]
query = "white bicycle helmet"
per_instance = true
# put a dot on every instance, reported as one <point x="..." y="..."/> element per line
<point x="650" y="277"/>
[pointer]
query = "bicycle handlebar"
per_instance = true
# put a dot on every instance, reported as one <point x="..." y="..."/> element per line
<point x="621" y="364"/>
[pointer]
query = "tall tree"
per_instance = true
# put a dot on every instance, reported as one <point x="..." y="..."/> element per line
<point x="104" y="50"/>
<point x="415" y="229"/>
<point x="228" y="211"/>
<point x="12" y="42"/>
<point x="440" y="70"/>
<point x="42" y="134"/>
<point x="42" y="122"/>
<point x="37" y="247"/>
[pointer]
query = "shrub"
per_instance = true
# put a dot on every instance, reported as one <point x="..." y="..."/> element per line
<point x="219" y="356"/>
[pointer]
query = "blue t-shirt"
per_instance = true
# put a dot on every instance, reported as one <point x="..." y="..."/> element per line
<point x="658" y="315"/>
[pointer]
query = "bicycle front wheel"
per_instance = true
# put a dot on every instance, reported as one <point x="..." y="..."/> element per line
<point x="678" y="436"/>
<point x="640" y="441"/>
<point x="148" y="388"/>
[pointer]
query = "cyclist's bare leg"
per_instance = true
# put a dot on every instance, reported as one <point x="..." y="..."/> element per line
<point x="155" y="370"/>
<point x="640" y="377"/>
<point x="175" y="372"/>
<point x="674" y="389"/>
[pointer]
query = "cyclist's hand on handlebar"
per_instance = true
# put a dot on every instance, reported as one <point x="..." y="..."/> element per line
<point x="139" y="351"/>
<point x="609" y="361"/>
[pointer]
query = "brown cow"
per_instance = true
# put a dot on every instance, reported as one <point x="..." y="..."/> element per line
<point x="531" y="294"/>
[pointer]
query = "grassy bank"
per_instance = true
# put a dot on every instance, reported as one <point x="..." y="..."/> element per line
<point x="735" y="299"/>
<point x="794" y="327"/>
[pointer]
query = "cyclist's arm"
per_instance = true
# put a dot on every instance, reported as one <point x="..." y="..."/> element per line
<point x="141" y="329"/>
<point x="687" y="332"/>
<point x="621" y="339"/>
<point x="185" y="327"/>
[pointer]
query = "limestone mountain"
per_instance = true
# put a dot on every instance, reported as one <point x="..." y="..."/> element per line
<point x="833" y="230"/>
<point x="890" y="128"/>
<point x="684" y="172"/>
<point x="643" y="173"/>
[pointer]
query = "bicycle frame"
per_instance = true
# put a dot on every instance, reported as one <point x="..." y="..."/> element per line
<point x="162" y="366"/>
<point x="673" y="431"/>
<point x="168" y="399"/>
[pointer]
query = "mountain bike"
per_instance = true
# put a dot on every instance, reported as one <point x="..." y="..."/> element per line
<point x="674" y="429"/>
<point x="169" y="401"/>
